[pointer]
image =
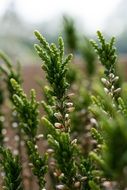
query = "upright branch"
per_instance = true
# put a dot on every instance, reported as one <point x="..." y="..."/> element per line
<point x="89" y="57"/>
<point x="12" y="169"/>
<point x="111" y="118"/>
<point x="27" y="110"/>
<point x="57" y="120"/>
<point x="56" y="68"/>
<point x="10" y="72"/>
<point x="70" y="33"/>
<point x="107" y="56"/>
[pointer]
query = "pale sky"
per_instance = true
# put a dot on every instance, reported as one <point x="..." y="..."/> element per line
<point x="92" y="12"/>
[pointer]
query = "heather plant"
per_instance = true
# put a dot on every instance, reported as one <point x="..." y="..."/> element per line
<point x="82" y="145"/>
<point x="110" y="112"/>
<point x="89" y="57"/>
<point x="57" y="121"/>
<point x="107" y="57"/>
<point x="11" y="170"/>
<point x="27" y="110"/>
<point x="10" y="72"/>
<point x="70" y="32"/>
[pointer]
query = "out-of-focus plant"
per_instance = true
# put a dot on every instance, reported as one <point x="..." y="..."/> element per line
<point x="12" y="170"/>
<point x="10" y="72"/>
<point x="89" y="57"/>
<point x="71" y="37"/>
<point x="110" y="110"/>
<point x="1" y="116"/>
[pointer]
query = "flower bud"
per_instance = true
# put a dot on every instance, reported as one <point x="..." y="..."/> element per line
<point x="71" y="109"/>
<point x="117" y="91"/>
<point x="77" y="184"/>
<point x="39" y="136"/>
<point x="74" y="141"/>
<point x="60" y="187"/>
<point x="111" y="75"/>
<point x="50" y="151"/>
<point x="84" y="178"/>
<point x="69" y="104"/>
<point x="30" y="164"/>
<point x="112" y="87"/>
<point x="110" y="94"/>
<point x="105" y="82"/>
<point x="58" y="125"/>
<point x="58" y="115"/>
<point x="66" y="116"/>
<point x="36" y="147"/>
<point x="93" y="121"/>
<point x="55" y="174"/>
<point x="115" y="79"/>
<point x="106" y="90"/>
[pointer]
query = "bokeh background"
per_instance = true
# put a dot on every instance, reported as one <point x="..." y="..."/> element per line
<point x="19" y="18"/>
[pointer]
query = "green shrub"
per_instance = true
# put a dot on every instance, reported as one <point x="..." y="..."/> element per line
<point x="86" y="133"/>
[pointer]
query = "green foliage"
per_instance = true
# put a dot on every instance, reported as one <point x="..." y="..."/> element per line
<point x="26" y="109"/>
<point x="54" y="64"/>
<point x="58" y="124"/>
<point x="70" y="32"/>
<point x="111" y="117"/>
<point x="9" y="72"/>
<point x="93" y="186"/>
<point x="1" y="117"/>
<point x="107" y="56"/>
<point x="89" y="56"/>
<point x="39" y="166"/>
<point x="12" y="169"/>
<point x="106" y="53"/>
<point x="64" y="152"/>
<point x="56" y="68"/>
<point x="86" y="147"/>
<point x="1" y="97"/>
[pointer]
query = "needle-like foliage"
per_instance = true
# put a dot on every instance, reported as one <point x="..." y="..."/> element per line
<point x="27" y="110"/>
<point x="10" y="72"/>
<point x="12" y="170"/>
<point x="58" y="122"/>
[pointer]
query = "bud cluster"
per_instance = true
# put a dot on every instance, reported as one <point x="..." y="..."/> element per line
<point x="110" y="85"/>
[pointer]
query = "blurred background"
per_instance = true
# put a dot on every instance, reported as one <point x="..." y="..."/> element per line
<point x="19" y="18"/>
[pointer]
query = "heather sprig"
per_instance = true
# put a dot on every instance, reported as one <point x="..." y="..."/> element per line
<point x="38" y="163"/>
<point x="57" y="120"/>
<point x="64" y="153"/>
<point x="106" y="52"/>
<point x="56" y="67"/>
<point x="8" y="69"/>
<point x="70" y="33"/>
<point x="111" y="118"/>
<point x="12" y="169"/>
<point x="107" y="56"/>
<point x="27" y="109"/>
<point x="113" y="131"/>
<point x="28" y="112"/>
<point x="89" y="56"/>
<point x="54" y="64"/>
